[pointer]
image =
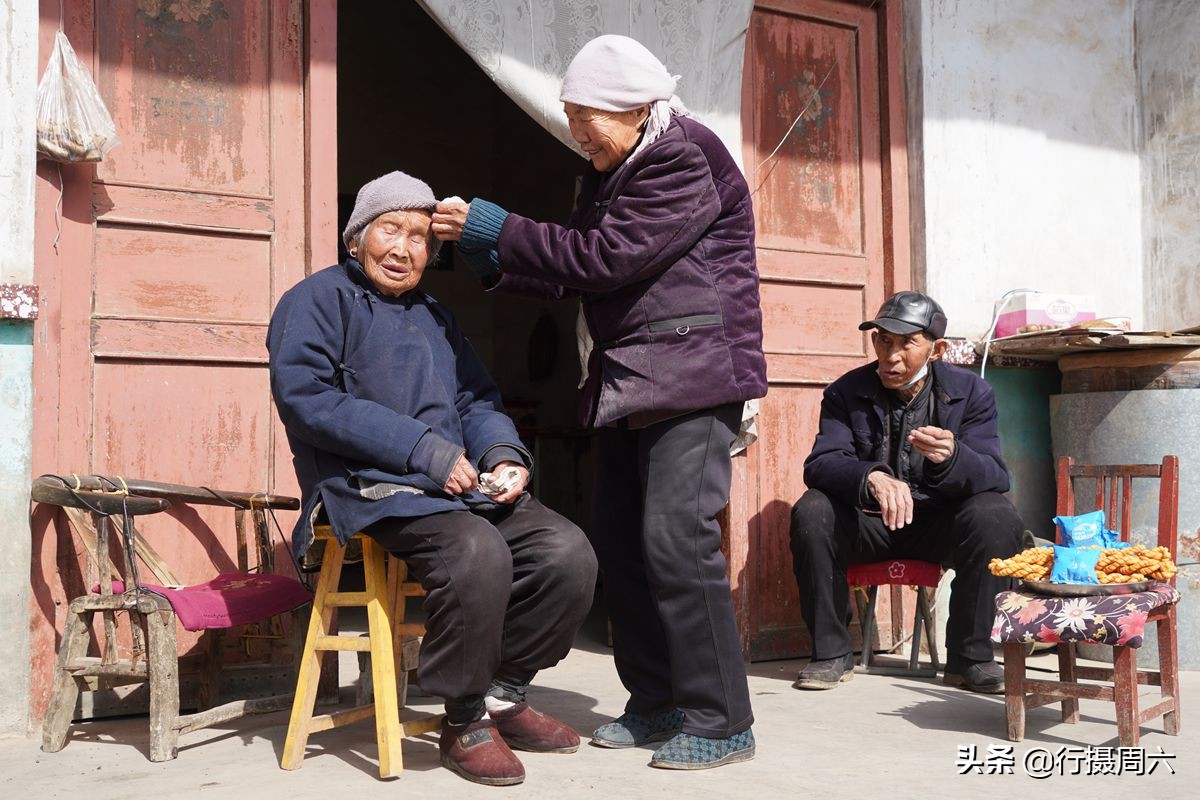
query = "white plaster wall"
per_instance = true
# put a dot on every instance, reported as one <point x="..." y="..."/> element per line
<point x="18" y="82"/>
<point x="1031" y="166"/>
<point x="1168" y="61"/>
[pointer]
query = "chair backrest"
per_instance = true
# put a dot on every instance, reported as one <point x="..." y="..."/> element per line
<point x="1114" y="494"/>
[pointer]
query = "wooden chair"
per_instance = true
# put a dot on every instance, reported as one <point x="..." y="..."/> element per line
<point x="1114" y="494"/>
<point x="152" y="610"/>
<point x="868" y="577"/>
<point x="384" y="598"/>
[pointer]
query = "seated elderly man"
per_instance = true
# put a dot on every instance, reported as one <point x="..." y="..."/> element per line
<point x="906" y="464"/>
<point x="392" y="418"/>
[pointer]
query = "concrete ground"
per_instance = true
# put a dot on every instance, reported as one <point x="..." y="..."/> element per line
<point x="872" y="737"/>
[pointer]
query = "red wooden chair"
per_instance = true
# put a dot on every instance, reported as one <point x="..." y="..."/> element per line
<point x="1117" y="620"/>
<point x="924" y="576"/>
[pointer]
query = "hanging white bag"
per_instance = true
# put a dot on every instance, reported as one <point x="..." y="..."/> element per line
<point x="73" y="123"/>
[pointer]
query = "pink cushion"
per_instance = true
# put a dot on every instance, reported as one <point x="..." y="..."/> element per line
<point x="230" y="599"/>
<point x="902" y="571"/>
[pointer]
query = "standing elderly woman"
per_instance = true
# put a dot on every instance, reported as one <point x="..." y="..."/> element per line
<point x="660" y="248"/>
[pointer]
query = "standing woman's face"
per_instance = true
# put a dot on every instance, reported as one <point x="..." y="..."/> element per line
<point x="607" y="137"/>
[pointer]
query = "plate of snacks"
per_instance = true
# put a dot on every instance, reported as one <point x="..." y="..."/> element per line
<point x="1083" y="589"/>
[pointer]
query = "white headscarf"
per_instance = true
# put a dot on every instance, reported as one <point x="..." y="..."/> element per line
<point x="616" y="73"/>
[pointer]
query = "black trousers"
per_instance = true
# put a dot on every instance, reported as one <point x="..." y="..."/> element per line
<point x="675" y="639"/>
<point x="507" y="590"/>
<point x="827" y="535"/>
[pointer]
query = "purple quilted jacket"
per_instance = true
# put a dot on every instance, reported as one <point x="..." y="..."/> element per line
<point x="661" y="250"/>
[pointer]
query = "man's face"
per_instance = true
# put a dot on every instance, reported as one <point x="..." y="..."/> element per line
<point x="902" y="356"/>
<point x="395" y="250"/>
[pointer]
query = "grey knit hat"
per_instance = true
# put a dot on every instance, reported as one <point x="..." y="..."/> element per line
<point x="395" y="191"/>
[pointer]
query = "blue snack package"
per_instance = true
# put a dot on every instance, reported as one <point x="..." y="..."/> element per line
<point x="1075" y="564"/>
<point x="1112" y="540"/>
<point x="1081" y="530"/>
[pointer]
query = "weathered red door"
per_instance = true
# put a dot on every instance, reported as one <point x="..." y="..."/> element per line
<point x="831" y="212"/>
<point x="161" y="271"/>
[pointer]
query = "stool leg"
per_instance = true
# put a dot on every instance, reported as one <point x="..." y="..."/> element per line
<point x="915" y="643"/>
<point x="383" y="662"/>
<point x="1066" y="674"/>
<point x="923" y="606"/>
<point x="162" y="665"/>
<point x="309" y="674"/>
<point x="866" y="621"/>
<point x="1168" y="669"/>
<point x="1014" y="690"/>
<point x="66" y="688"/>
<point x="1125" y="694"/>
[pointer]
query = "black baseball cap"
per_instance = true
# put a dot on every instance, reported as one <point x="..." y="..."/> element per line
<point x="909" y="312"/>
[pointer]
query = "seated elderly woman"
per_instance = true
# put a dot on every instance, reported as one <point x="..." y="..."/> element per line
<point x="392" y="418"/>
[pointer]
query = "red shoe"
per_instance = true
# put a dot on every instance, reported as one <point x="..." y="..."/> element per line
<point x="478" y="753"/>
<point x="526" y="729"/>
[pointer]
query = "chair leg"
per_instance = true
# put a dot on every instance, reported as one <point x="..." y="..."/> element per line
<point x="1125" y="691"/>
<point x="1014" y="690"/>
<point x="1168" y="669"/>
<point x="1066" y="674"/>
<point x="163" y="666"/>
<point x="65" y="691"/>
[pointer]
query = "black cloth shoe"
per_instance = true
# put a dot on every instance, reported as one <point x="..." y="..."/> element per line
<point x="826" y="673"/>
<point x="985" y="677"/>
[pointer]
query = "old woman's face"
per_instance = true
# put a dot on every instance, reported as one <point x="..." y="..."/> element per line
<point x="395" y="250"/>
<point x="607" y="137"/>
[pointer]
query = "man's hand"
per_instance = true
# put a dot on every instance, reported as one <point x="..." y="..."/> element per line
<point x="894" y="498"/>
<point x="936" y="444"/>
<point x="449" y="218"/>
<point x="515" y="490"/>
<point x="463" y="477"/>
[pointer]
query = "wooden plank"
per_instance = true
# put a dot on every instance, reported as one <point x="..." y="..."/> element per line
<point x="1054" y="689"/>
<point x="193" y="495"/>
<point x="179" y="341"/>
<point x="115" y="204"/>
<point x="232" y="710"/>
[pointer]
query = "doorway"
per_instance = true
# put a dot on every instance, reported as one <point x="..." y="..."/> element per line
<point x="409" y="98"/>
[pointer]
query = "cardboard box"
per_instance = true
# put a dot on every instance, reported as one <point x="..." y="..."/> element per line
<point x="1043" y="308"/>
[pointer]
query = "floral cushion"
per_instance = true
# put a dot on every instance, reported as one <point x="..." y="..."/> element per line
<point x="1101" y="619"/>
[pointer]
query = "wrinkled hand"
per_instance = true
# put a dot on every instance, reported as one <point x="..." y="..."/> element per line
<point x="894" y="498"/>
<point x="936" y="444"/>
<point x="512" y="494"/>
<point x="449" y="218"/>
<point x="463" y="478"/>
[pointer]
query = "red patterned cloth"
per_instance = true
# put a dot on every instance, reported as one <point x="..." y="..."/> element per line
<point x="230" y="599"/>
<point x="1101" y="619"/>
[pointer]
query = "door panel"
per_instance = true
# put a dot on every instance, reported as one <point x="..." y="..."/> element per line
<point x="171" y="254"/>
<point x="812" y="118"/>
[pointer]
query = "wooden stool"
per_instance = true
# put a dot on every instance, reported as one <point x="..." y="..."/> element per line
<point x="381" y="642"/>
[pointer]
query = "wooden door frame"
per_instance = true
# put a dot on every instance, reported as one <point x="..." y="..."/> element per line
<point x="741" y="522"/>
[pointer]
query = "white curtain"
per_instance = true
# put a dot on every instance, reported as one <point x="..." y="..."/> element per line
<point x="526" y="45"/>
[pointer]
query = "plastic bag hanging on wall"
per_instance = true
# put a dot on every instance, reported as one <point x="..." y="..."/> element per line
<point x="73" y="123"/>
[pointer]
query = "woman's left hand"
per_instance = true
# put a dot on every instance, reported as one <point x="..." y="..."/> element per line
<point x="518" y="486"/>
<point x="448" y="220"/>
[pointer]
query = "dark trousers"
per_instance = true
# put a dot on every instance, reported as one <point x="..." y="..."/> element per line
<point x="507" y="590"/>
<point x="827" y="535"/>
<point x="675" y="640"/>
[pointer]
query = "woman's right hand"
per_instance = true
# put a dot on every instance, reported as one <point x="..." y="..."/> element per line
<point x="463" y="477"/>
<point x="449" y="218"/>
